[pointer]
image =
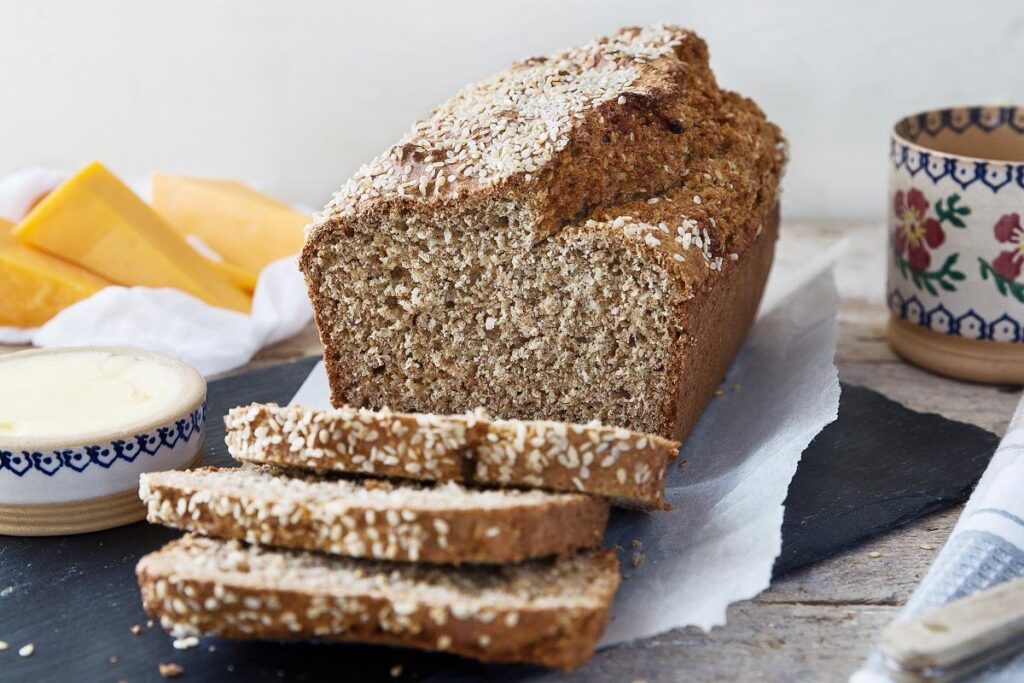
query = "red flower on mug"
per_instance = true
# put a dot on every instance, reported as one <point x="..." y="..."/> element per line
<point x="1008" y="229"/>
<point x="915" y="231"/>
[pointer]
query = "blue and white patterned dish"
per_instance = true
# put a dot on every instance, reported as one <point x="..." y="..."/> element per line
<point x="74" y="469"/>
<point x="956" y="240"/>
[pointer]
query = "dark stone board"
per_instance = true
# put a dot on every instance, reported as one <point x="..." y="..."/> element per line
<point x="877" y="467"/>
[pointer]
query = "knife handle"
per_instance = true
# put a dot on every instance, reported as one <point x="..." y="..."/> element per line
<point x="962" y="635"/>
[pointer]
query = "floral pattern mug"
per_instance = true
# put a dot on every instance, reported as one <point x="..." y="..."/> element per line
<point x="955" y="285"/>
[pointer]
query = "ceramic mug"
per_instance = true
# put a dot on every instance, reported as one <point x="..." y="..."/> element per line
<point x="956" y="242"/>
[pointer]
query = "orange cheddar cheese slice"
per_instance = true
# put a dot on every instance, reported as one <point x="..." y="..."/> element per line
<point x="95" y="221"/>
<point x="248" y="228"/>
<point x="244" y="279"/>
<point x="35" y="286"/>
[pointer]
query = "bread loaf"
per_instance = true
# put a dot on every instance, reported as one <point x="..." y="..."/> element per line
<point x="547" y="612"/>
<point x="446" y="523"/>
<point x="611" y="462"/>
<point x="583" y="236"/>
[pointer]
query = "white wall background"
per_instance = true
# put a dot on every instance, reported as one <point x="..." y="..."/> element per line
<point x="295" y="95"/>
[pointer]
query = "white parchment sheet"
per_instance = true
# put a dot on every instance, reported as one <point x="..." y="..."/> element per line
<point x="719" y="543"/>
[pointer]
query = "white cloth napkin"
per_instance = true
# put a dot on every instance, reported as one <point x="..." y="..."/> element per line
<point x="720" y="542"/>
<point x="211" y="339"/>
<point x="985" y="548"/>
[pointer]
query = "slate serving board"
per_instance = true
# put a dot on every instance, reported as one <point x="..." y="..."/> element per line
<point x="877" y="467"/>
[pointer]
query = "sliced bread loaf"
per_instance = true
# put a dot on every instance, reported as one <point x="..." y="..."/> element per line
<point x="444" y="523"/>
<point x="582" y="236"/>
<point x="547" y="612"/>
<point x="614" y="463"/>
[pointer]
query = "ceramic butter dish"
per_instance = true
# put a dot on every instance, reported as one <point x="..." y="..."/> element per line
<point x="79" y="425"/>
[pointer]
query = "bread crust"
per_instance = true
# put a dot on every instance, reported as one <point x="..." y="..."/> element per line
<point x="550" y="613"/>
<point x="658" y="147"/>
<point x="609" y="462"/>
<point x="720" y="326"/>
<point x="372" y="519"/>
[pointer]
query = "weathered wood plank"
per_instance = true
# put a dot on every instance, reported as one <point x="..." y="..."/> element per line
<point x="762" y="642"/>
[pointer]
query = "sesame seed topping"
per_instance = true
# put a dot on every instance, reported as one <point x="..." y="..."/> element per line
<point x="511" y="123"/>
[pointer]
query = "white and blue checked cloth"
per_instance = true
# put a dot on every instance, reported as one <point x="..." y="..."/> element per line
<point x="986" y="548"/>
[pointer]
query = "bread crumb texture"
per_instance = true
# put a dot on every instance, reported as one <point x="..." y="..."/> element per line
<point x="611" y="462"/>
<point x="444" y="523"/>
<point x="548" y="612"/>
<point x="541" y="243"/>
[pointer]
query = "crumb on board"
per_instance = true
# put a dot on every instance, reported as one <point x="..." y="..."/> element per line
<point x="682" y="463"/>
<point x="396" y="671"/>
<point x="4" y="645"/>
<point x="927" y="546"/>
<point x="637" y="543"/>
<point x="135" y="629"/>
<point x="638" y="559"/>
<point x="27" y="650"/>
<point x="212" y="648"/>
<point x="874" y="553"/>
<point x="719" y="392"/>
<point x="149" y="623"/>
<point x="170" y="670"/>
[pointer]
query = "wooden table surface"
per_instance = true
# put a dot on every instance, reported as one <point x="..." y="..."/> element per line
<point x="815" y="624"/>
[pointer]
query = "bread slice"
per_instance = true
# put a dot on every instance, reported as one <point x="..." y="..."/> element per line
<point x="547" y="612"/>
<point x="613" y="463"/>
<point x="445" y="523"/>
<point x="582" y="236"/>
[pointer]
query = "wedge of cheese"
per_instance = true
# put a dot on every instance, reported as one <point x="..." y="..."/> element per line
<point x="247" y="228"/>
<point x="95" y="221"/>
<point x="35" y="286"/>
<point x="244" y="279"/>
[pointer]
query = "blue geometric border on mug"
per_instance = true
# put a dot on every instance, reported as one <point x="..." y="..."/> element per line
<point x="968" y="324"/>
<point x="936" y="165"/>
<point x="105" y="455"/>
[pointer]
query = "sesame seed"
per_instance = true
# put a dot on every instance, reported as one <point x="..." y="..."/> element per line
<point x="185" y="643"/>
<point x="27" y="650"/>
